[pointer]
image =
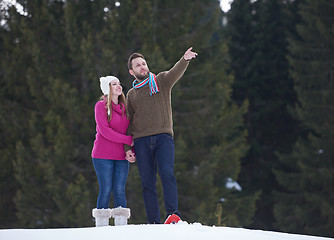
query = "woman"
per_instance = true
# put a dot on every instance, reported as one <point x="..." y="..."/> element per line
<point x="108" y="154"/>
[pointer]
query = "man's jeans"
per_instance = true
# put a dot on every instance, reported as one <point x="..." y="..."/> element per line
<point x="112" y="175"/>
<point x="152" y="153"/>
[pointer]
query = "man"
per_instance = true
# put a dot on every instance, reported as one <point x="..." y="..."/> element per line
<point x="150" y="111"/>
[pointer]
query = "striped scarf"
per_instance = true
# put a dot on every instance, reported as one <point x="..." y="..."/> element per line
<point x="152" y="83"/>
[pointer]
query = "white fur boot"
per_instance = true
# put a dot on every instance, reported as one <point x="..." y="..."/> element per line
<point x="101" y="216"/>
<point x="121" y="215"/>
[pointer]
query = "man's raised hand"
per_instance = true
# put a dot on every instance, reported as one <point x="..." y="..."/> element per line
<point x="189" y="54"/>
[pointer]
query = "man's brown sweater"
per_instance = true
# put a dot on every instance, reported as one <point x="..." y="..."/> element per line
<point x="152" y="114"/>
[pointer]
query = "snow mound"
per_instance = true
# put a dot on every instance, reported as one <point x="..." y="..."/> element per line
<point x="181" y="230"/>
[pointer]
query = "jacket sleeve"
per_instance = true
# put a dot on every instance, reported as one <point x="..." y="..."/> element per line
<point x="101" y="118"/>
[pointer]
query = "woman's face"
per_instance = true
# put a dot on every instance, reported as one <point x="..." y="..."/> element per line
<point x="116" y="88"/>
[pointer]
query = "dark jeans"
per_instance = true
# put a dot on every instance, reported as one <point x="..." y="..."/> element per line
<point x="157" y="153"/>
<point x="112" y="175"/>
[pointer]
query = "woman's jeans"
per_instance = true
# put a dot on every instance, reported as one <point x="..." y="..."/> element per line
<point x="152" y="153"/>
<point x="112" y="175"/>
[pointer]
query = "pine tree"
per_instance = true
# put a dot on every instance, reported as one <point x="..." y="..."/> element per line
<point x="12" y="111"/>
<point x="210" y="125"/>
<point x="48" y="165"/>
<point x="305" y="204"/>
<point x="241" y="34"/>
<point x="257" y="32"/>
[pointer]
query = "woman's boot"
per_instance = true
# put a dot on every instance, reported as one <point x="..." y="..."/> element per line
<point x="120" y="215"/>
<point x="101" y="216"/>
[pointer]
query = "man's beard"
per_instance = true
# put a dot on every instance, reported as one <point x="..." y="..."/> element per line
<point x="141" y="77"/>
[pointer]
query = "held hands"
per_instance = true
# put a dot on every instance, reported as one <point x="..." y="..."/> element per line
<point x="188" y="55"/>
<point x="130" y="156"/>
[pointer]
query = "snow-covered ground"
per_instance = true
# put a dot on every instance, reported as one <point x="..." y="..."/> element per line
<point x="181" y="230"/>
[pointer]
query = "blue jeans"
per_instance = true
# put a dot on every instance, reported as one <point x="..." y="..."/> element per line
<point x="112" y="175"/>
<point x="157" y="153"/>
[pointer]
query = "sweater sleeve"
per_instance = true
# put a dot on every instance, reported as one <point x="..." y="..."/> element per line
<point x="130" y="113"/>
<point x="103" y="126"/>
<point x="175" y="73"/>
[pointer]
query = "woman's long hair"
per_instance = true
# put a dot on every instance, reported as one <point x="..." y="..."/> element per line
<point x="109" y="104"/>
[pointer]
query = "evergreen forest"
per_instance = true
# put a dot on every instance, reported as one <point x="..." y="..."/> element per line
<point x="253" y="121"/>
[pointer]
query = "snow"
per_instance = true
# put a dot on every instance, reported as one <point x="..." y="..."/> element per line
<point x="181" y="230"/>
<point x="225" y="5"/>
<point x="230" y="184"/>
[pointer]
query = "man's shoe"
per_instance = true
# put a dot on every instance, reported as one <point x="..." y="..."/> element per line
<point x="172" y="219"/>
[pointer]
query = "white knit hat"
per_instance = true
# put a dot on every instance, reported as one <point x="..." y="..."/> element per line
<point x="104" y="84"/>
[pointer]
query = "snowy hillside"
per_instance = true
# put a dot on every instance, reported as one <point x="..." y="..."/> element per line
<point x="182" y="230"/>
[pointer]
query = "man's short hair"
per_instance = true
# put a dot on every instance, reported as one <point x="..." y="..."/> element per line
<point x="133" y="56"/>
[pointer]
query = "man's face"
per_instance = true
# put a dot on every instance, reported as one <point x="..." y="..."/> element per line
<point x="140" y="69"/>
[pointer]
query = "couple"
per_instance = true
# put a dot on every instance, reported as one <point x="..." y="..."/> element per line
<point x="142" y="122"/>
